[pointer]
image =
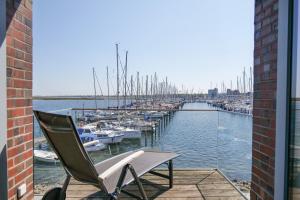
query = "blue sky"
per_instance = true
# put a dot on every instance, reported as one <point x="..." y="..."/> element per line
<point x="195" y="43"/>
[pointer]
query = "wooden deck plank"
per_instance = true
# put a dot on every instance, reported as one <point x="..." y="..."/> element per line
<point x="188" y="185"/>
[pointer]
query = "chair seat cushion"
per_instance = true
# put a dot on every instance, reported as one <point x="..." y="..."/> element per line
<point x="141" y="164"/>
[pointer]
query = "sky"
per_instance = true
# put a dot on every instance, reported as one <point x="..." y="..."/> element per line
<point x="197" y="44"/>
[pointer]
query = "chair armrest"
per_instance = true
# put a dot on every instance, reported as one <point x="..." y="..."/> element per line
<point x="119" y="165"/>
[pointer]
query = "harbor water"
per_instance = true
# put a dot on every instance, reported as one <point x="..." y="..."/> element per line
<point x="203" y="139"/>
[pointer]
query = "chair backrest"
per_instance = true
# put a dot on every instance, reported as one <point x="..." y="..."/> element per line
<point x="62" y="136"/>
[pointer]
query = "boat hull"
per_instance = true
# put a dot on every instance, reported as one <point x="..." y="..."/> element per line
<point x="45" y="156"/>
<point x="94" y="148"/>
<point x="111" y="140"/>
<point x="132" y="134"/>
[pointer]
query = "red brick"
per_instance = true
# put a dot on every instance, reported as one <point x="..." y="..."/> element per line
<point x="29" y="162"/>
<point x="19" y="45"/>
<point x="29" y="145"/>
<point x="19" y="26"/>
<point x="11" y="192"/>
<point x="23" y="121"/>
<point x="267" y="150"/>
<point x="21" y="176"/>
<point x="15" y="151"/>
<point x="10" y="163"/>
<point x="10" y="62"/>
<point x="264" y="101"/>
<point x="10" y="51"/>
<point x="28" y="75"/>
<point x="17" y="112"/>
<point x="16" y="34"/>
<point x="28" y="110"/>
<point x="11" y="183"/>
<point x="11" y="92"/>
<point x="10" y="123"/>
<point x="16" y="170"/>
<point x="22" y="83"/>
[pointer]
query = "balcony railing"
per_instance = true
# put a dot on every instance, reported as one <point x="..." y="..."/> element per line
<point x="205" y="139"/>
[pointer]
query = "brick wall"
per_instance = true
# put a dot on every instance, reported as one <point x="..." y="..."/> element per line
<point x="264" y="113"/>
<point x="19" y="97"/>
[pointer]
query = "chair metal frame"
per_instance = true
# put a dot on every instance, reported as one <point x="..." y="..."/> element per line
<point x="120" y="187"/>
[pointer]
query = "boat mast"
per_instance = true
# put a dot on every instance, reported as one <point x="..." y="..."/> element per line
<point x="137" y="86"/>
<point x="142" y="88"/>
<point x="131" y="88"/>
<point x="166" y="89"/>
<point x="155" y="86"/>
<point x="237" y="83"/>
<point x="241" y="85"/>
<point x="249" y="82"/>
<point x="107" y="86"/>
<point x="251" y="79"/>
<point x="95" y="95"/>
<point x="146" y="87"/>
<point x="125" y="82"/>
<point x="118" y="91"/>
<point x="151" y="87"/>
<point x="244" y="81"/>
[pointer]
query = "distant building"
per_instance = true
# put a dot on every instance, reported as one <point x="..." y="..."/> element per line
<point x="233" y="92"/>
<point x="213" y="93"/>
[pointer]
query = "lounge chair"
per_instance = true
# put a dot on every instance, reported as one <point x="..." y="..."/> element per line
<point x="111" y="175"/>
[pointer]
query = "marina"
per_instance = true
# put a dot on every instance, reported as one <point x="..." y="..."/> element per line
<point x="205" y="138"/>
<point x="151" y="113"/>
<point x="152" y="100"/>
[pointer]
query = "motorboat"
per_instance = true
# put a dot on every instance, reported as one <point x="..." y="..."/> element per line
<point x="45" y="156"/>
<point x="128" y="132"/>
<point x="89" y="139"/>
<point x="109" y="136"/>
<point x="94" y="145"/>
<point x="87" y="129"/>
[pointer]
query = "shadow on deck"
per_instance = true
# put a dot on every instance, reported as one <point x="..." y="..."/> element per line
<point x="188" y="184"/>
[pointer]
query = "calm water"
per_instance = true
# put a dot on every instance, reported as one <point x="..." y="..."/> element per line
<point x="203" y="139"/>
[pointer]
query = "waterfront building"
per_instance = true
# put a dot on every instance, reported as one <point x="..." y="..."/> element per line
<point x="232" y="92"/>
<point x="212" y="93"/>
<point x="276" y="118"/>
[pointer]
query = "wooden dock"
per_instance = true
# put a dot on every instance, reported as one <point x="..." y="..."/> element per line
<point x="188" y="185"/>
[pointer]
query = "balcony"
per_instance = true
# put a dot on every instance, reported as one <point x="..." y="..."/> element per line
<point x="188" y="184"/>
<point x="215" y="149"/>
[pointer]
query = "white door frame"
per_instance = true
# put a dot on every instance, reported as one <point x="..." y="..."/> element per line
<point x="3" y="107"/>
<point x="286" y="41"/>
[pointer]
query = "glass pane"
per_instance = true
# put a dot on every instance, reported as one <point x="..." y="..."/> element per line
<point x="294" y="147"/>
<point x="206" y="138"/>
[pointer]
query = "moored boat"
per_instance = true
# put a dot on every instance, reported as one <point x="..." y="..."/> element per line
<point x="45" y="156"/>
<point x="109" y="136"/>
<point x="94" y="145"/>
<point x="129" y="132"/>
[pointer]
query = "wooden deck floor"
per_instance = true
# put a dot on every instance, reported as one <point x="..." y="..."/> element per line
<point x="188" y="184"/>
